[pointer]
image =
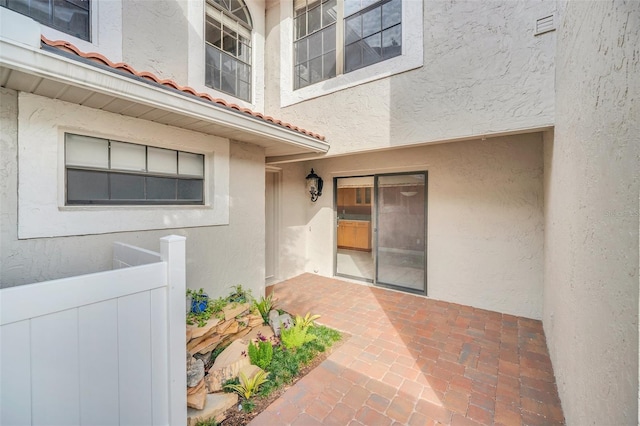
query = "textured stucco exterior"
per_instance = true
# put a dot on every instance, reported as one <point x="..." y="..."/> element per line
<point x="484" y="72"/>
<point x="485" y="218"/>
<point x="217" y="256"/>
<point x="591" y="214"/>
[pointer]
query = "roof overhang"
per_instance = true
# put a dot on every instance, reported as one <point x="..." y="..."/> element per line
<point x="25" y="67"/>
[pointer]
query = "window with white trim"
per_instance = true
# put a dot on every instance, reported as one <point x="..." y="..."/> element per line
<point x="333" y="38"/>
<point x="69" y="16"/>
<point x="228" y="47"/>
<point x="104" y="171"/>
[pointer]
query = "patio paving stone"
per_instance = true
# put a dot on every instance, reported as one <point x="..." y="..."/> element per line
<point x="411" y="360"/>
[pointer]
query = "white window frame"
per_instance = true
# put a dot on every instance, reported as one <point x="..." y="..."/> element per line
<point x="42" y="212"/>
<point x="411" y="58"/>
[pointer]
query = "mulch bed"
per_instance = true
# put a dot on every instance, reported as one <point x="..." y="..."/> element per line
<point x="237" y="417"/>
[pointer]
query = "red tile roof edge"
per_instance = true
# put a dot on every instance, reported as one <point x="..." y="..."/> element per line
<point x="65" y="46"/>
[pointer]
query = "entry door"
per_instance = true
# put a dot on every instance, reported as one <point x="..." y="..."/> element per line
<point x="401" y="260"/>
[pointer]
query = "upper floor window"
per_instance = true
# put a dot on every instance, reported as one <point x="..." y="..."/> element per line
<point x="228" y="47"/>
<point x="370" y="32"/>
<point x="69" y="16"/>
<point x="104" y="171"/>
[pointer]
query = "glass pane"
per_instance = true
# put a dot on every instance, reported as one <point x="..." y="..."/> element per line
<point x="301" y="51"/>
<point x="244" y="73"/>
<point x="190" y="190"/>
<point x="71" y="19"/>
<point x="230" y="42"/>
<point x="161" y="188"/>
<point x="20" y="6"/>
<point x="86" y="151"/>
<point x="371" y="22"/>
<point x="229" y="64"/>
<point x="190" y="164"/>
<point x="244" y="53"/>
<point x="391" y="13"/>
<point x="244" y="90"/>
<point x="315" y="17"/>
<point x="329" y="12"/>
<point x="401" y="231"/>
<point x="162" y="160"/>
<point x="128" y="156"/>
<point x="301" y="26"/>
<point x="353" y="29"/>
<point x="302" y="75"/>
<point x="213" y="33"/>
<point x="351" y="6"/>
<point x="392" y="42"/>
<point x="40" y="10"/>
<point x="127" y="187"/>
<point x="315" y="45"/>
<point x="372" y="50"/>
<point x="353" y="57"/>
<point x="315" y="68"/>
<point x="329" y="65"/>
<point x="86" y="186"/>
<point x="329" y="39"/>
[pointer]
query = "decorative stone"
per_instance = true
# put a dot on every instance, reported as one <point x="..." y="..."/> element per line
<point x="197" y="400"/>
<point x="210" y="348"/>
<point x="254" y="320"/>
<point x="195" y="372"/>
<point x="227" y="365"/>
<point x="222" y="327"/>
<point x="279" y="321"/>
<point x="203" y="347"/>
<point x="263" y="330"/>
<point x="232" y="310"/>
<point x="197" y="388"/>
<point x="232" y="329"/>
<point x="205" y="329"/>
<point x="215" y="406"/>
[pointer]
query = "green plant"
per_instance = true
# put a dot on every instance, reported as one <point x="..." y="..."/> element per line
<point x="261" y="353"/>
<point x="295" y="336"/>
<point x="210" y="422"/>
<point x="239" y="295"/>
<point x="200" y="309"/>
<point x="248" y="387"/>
<point x="308" y="320"/>
<point x="264" y="306"/>
<point x="248" y="405"/>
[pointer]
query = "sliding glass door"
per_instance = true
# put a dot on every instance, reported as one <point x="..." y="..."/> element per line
<point x="381" y="230"/>
<point x="401" y="231"/>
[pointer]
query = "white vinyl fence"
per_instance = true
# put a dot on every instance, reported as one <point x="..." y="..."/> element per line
<point x="98" y="349"/>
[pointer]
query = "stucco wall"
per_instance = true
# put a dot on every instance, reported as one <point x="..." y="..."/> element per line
<point x="484" y="71"/>
<point x="217" y="256"/>
<point x="591" y="214"/>
<point x="485" y="218"/>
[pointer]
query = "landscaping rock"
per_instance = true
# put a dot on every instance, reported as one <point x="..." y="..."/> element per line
<point x="195" y="372"/>
<point x="215" y="406"/>
<point x="206" y="345"/>
<point x="196" y="389"/>
<point x="222" y="327"/>
<point x="232" y="329"/>
<point x="263" y="330"/>
<point x="227" y="365"/>
<point x="254" y="320"/>
<point x="279" y="321"/>
<point x="231" y="311"/>
<point x="205" y="329"/>
<point x="197" y="400"/>
<point x="249" y="371"/>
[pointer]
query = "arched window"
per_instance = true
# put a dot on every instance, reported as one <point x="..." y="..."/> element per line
<point x="228" y="47"/>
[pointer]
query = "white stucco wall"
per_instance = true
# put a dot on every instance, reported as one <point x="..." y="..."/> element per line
<point x="484" y="72"/>
<point x="591" y="214"/>
<point x="217" y="256"/>
<point x="485" y="218"/>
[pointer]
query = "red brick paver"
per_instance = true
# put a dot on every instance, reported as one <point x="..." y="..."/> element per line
<point x="415" y="361"/>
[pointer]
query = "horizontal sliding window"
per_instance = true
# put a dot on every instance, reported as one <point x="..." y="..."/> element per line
<point x="104" y="171"/>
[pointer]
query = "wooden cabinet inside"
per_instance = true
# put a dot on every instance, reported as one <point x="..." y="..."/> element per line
<point x="354" y="196"/>
<point x="354" y="234"/>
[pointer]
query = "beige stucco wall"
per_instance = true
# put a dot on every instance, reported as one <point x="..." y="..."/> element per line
<point x="485" y="218"/>
<point x="484" y="72"/>
<point x="591" y="214"/>
<point x="217" y="256"/>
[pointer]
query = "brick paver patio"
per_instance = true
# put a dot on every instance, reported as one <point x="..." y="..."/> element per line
<point x="412" y="360"/>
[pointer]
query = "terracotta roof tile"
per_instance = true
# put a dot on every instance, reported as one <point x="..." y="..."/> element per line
<point x="67" y="47"/>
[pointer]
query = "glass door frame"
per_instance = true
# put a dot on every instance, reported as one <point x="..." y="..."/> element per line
<point x="374" y="230"/>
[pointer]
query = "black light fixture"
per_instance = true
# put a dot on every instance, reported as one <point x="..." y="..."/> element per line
<point x="314" y="185"/>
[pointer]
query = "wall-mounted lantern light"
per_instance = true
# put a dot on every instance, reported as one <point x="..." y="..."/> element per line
<point x="314" y="185"/>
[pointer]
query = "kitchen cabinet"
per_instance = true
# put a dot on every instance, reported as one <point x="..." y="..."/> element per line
<point x="354" y="234"/>
<point x="354" y="196"/>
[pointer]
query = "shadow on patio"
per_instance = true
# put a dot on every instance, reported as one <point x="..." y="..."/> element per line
<point x="413" y="360"/>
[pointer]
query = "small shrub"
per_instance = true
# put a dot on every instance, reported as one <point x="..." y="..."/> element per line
<point x="247" y="387"/>
<point x="264" y="306"/>
<point x="296" y="336"/>
<point x="239" y="295"/>
<point x="261" y="354"/>
<point x="308" y="320"/>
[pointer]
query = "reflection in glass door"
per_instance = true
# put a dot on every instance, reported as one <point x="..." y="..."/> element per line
<point x="401" y="231"/>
